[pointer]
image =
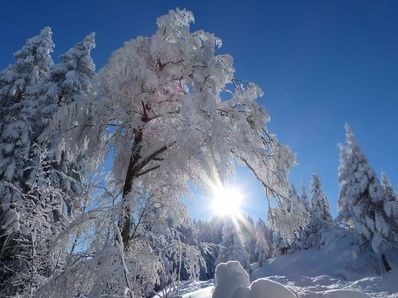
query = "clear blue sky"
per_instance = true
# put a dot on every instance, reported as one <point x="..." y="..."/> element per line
<point x="320" y="64"/>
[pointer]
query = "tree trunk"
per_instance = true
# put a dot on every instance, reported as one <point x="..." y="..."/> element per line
<point x="134" y="170"/>
<point x="125" y="220"/>
<point x="387" y="266"/>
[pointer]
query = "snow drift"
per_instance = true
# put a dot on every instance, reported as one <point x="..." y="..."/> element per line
<point x="232" y="281"/>
<point x="229" y="277"/>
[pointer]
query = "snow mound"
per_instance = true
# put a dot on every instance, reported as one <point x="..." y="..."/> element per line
<point x="265" y="288"/>
<point x="229" y="277"/>
<point x="345" y="294"/>
<point x="241" y="292"/>
<point x="202" y="293"/>
<point x="232" y="281"/>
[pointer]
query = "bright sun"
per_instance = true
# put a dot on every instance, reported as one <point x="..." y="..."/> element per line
<point x="226" y="200"/>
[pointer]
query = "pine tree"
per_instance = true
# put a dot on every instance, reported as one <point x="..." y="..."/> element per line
<point x="362" y="200"/>
<point x="248" y="232"/>
<point x="17" y="83"/>
<point x="319" y="200"/>
<point x="22" y="117"/>
<point x="74" y="75"/>
<point x="263" y="249"/>
<point x="73" y="85"/>
<point x="232" y="248"/>
<point x="33" y="62"/>
<point x="288" y="220"/>
<point x="304" y="198"/>
<point x="388" y="188"/>
<point x="33" y="217"/>
<point x="320" y="221"/>
<point x="391" y="206"/>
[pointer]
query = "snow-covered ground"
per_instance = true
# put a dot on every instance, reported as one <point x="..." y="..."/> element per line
<point x="331" y="272"/>
<point x="320" y="286"/>
<point x="313" y="272"/>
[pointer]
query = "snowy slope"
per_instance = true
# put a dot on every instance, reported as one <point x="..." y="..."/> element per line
<point x="330" y="272"/>
<point x="313" y="272"/>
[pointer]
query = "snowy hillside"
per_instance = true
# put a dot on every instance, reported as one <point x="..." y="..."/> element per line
<point x="313" y="286"/>
<point x="313" y="272"/>
<point x="332" y="271"/>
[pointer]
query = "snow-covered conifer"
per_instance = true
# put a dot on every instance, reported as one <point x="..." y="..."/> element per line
<point x="248" y="232"/>
<point x="75" y="73"/>
<point x="391" y="204"/>
<point x="320" y="221"/>
<point x="36" y="89"/>
<point x="263" y="248"/>
<point x="288" y="220"/>
<point x="304" y="198"/>
<point x="362" y="199"/>
<point x="319" y="200"/>
<point x="20" y="121"/>
<point x="232" y="247"/>
<point x="32" y="65"/>
<point x="72" y="81"/>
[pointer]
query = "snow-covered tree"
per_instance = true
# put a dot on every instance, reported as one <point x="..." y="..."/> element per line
<point x="248" y="232"/>
<point x="288" y="220"/>
<point x="304" y="198"/>
<point x="362" y="199"/>
<point x="159" y="114"/>
<point x="74" y="75"/>
<point x="33" y="63"/>
<point x="232" y="247"/>
<point x="37" y="257"/>
<point x="264" y="244"/>
<point x="320" y="221"/>
<point x="319" y="200"/>
<point x="161" y="97"/>
<point x="73" y="84"/>
<point x="17" y="82"/>
<point x="23" y="113"/>
<point x="391" y="204"/>
<point x="210" y="231"/>
<point x="32" y="92"/>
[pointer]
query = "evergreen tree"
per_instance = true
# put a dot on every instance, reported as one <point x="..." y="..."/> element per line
<point x="232" y="248"/>
<point x="73" y="85"/>
<point x="17" y="83"/>
<point x="320" y="221"/>
<point x="288" y="220"/>
<point x="391" y="205"/>
<point x="319" y="200"/>
<point x="304" y="198"/>
<point x="248" y="234"/>
<point x="30" y="165"/>
<point x="389" y="190"/>
<point x="362" y="199"/>
<point x="23" y="114"/>
<point x="263" y="249"/>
